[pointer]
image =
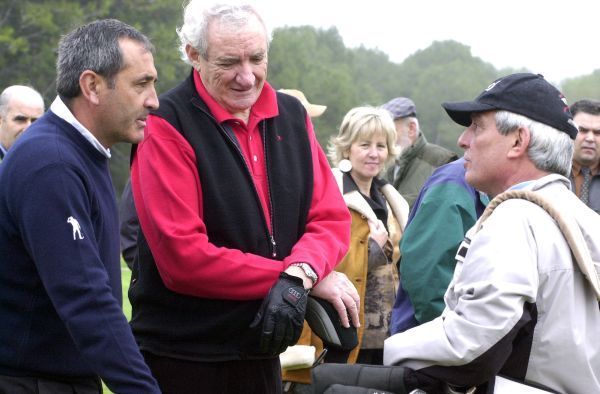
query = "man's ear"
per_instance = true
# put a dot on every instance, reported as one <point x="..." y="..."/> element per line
<point x="412" y="131"/>
<point x="521" y="138"/>
<point x="91" y="84"/>
<point x="192" y="54"/>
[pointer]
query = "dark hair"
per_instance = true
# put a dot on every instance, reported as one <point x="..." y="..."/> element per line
<point x="95" y="47"/>
<point x="587" y="106"/>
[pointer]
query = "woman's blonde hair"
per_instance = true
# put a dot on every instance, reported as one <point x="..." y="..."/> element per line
<point x="363" y="122"/>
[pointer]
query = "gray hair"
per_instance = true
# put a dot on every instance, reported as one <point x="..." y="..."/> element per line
<point x="413" y="119"/>
<point x="197" y="17"/>
<point x="550" y="150"/>
<point x="24" y="93"/>
<point x="363" y="122"/>
<point x="95" y="47"/>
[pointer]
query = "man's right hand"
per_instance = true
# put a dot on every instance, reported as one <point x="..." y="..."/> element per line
<point x="281" y="315"/>
<point x="341" y="293"/>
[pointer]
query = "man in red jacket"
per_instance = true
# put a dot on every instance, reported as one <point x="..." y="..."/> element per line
<point x="240" y="216"/>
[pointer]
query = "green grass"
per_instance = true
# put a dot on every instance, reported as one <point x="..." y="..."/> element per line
<point x="125" y="277"/>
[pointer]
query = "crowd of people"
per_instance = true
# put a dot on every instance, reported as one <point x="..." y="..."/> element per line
<point x="456" y="274"/>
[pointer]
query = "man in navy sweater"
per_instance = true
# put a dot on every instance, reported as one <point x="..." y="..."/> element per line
<point x="62" y="327"/>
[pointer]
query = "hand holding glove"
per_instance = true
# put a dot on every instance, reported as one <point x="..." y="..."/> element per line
<point x="281" y="314"/>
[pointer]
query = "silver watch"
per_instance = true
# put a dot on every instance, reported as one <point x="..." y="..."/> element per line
<point x="308" y="271"/>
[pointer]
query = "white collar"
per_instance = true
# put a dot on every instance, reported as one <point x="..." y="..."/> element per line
<point x="60" y="109"/>
<point x="539" y="183"/>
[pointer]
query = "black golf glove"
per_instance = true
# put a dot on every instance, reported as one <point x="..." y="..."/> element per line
<point x="281" y="315"/>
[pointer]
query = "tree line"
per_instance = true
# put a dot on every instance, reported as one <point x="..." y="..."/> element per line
<point x="313" y="60"/>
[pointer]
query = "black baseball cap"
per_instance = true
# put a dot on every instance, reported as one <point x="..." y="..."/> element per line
<point x="525" y="94"/>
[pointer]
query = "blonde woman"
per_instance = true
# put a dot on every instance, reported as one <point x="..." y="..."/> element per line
<point x="360" y="152"/>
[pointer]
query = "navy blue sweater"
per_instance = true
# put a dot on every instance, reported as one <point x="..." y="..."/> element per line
<point x="60" y="278"/>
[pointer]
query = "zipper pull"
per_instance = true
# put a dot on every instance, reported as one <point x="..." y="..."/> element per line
<point x="274" y="246"/>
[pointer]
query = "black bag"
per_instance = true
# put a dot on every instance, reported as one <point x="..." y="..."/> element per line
<point x="330" y="378"/>
<point x="324" y="320"/>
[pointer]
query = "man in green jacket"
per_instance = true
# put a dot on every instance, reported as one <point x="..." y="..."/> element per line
<point x="418" y="158"/>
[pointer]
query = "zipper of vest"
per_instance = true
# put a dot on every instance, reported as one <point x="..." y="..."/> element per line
<point x="270" y="236"/>
<point x="274" y="246"/>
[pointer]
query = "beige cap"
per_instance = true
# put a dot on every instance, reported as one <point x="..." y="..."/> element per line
<point x="313" y="110"/>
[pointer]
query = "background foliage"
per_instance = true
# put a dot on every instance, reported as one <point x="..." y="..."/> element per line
<point x="313" y="60"/>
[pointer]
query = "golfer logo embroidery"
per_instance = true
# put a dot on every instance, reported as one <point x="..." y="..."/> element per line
<point x="76" y="227"/>
<point x="492" y="85"/>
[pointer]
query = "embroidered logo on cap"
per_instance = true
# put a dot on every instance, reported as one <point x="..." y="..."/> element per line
<point x="492" y="85"/>
<point x="76" y="227"/>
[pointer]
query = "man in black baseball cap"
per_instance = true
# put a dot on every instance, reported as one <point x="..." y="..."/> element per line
<point x="522" y="93"/>
<point x="516" y="281"/>
<point x="523" y="111"/>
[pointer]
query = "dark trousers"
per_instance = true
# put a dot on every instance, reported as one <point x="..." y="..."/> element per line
<point x="177" y="376"/>
<point x="29" y="385"/>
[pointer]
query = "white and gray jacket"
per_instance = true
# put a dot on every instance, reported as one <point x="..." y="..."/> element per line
<point x="517" y="304"/>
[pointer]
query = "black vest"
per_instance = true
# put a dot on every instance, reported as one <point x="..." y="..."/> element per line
<point x="176" y="325"/>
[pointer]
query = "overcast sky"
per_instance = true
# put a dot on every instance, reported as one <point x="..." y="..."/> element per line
<point x="558" y="39"/>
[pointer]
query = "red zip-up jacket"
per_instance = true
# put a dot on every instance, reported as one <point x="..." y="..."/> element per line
<point x="168" y="198"/>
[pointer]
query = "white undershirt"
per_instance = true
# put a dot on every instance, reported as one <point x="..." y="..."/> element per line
<point x="60" y="109"/>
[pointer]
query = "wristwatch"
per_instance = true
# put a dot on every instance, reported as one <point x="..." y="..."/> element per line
<point x="308" y="271"/>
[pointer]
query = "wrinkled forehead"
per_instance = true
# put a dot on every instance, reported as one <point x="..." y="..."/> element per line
<point x="29" y="107"/>
<point x="582" y="118"/>
<point x="484" y="116"/>
<point x="228" y="33"/>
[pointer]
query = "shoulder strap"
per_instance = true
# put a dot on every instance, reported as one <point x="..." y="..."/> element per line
<point x="568" y="226"/>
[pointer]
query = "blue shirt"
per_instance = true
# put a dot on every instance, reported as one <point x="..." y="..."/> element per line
<point x="60" y="279"/>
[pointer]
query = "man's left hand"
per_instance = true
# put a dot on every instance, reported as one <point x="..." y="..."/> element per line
<point x="341" y="293"/>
